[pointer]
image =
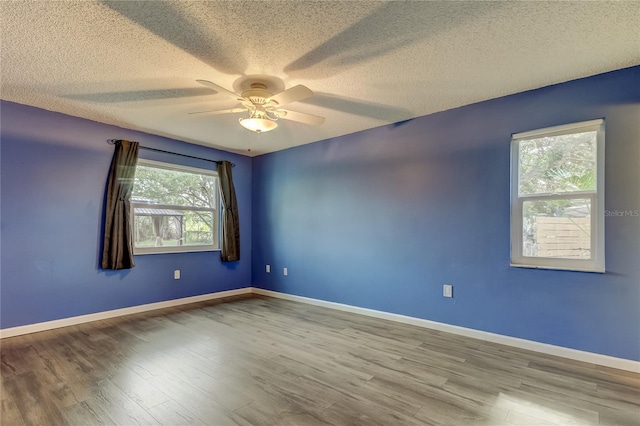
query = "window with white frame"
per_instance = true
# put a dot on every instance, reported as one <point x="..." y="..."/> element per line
<point x="175" y="208"/>
<point x="557" y="197"/>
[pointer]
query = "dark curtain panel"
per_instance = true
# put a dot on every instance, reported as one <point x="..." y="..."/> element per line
<point x="230" y="222"/>
<point x="117" y="252"/>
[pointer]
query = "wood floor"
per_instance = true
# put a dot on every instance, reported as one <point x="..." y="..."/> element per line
<point x="263" y="361"/>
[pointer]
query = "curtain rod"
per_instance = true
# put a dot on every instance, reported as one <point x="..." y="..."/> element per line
<point x="114" y="141"/>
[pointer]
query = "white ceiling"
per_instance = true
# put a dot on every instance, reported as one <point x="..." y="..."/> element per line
<point x="134" y="64"/>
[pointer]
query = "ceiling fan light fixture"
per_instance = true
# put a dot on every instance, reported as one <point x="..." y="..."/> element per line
<point x="258" y="125"/>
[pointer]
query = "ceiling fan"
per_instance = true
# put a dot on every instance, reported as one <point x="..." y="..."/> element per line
<point x="264" y="107"/>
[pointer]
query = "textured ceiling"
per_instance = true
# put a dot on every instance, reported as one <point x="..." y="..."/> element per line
<point x="134" y="64"/>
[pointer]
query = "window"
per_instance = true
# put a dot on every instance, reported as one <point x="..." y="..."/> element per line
<point x="557" y="197"/>
<point x="175" y="208"/>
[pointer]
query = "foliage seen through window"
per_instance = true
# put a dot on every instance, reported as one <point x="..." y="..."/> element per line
<point x="175" y="208"/>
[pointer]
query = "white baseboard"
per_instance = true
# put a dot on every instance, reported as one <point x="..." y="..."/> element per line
<point x="574" y="354"/>
<point x="590" y="357"/>
<point x="50" y="325"/>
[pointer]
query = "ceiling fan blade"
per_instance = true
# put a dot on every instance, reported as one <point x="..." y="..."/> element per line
<point x="220" y="89"/>
<point x="294" y="94"/>
<point x="300" y="117"/>
<point x="220" y="111"/>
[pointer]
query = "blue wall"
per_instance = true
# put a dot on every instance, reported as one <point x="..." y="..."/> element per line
<point x="383" y="218"/>
<point x="378" y="219"/>
<point x="54" y="172"/>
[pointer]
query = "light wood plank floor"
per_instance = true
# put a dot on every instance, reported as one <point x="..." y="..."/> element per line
<point x="263" y="361"/>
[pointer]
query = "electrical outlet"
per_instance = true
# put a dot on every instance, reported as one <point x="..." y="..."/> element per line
<point x="447" y="290"/>
<point x="176" y="274"/>
<point x="268" y="269"/>
<point x="286" y="271"/>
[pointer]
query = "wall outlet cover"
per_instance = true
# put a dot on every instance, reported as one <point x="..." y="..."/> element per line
<point x="447" y="290"/>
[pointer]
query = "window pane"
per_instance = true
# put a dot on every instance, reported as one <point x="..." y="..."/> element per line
<point x="557" y="164"/>
<point x="163" y="227"/>
<point x="160" y="186"/>
<point x="198" y="228"/>
<point x="557" y="229"/>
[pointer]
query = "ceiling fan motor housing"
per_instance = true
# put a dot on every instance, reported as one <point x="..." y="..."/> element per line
<point x="258" y="94"/>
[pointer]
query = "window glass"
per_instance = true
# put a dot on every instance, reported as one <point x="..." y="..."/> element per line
<point x="557" y="164"/>
<point x="175" y="208"/>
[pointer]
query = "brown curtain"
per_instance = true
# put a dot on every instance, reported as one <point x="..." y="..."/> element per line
<point x="230" y="223"/>
<point x="117" y="251"/>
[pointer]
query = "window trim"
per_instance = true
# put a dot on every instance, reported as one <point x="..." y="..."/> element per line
<point x="597" y="197"/>
<point x="216" y="212"/>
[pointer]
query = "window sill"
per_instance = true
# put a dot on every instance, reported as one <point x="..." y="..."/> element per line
<point x="171" y="250"/>
<point x="559" y="268"/>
